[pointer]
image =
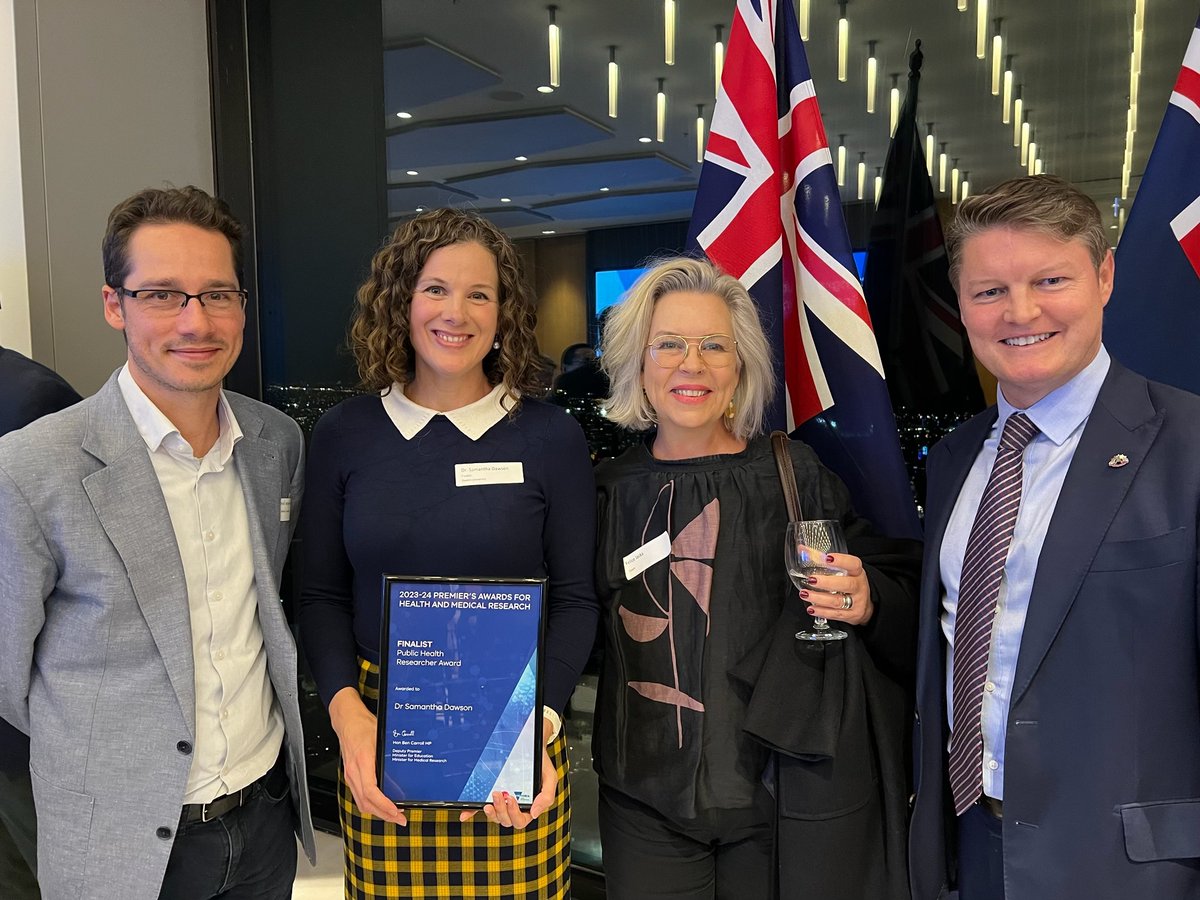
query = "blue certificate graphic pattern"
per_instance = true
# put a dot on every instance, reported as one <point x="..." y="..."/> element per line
<point x="459" y="705"/>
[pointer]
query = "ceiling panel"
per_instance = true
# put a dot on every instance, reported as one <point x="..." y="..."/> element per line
<point x="488" y="139"/>
<point x="422" y="71"/>
<point x="667" y="204"/>
<point x="530" y="180"/>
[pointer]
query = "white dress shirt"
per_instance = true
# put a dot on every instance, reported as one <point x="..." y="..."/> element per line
<point x="1060" y="417"/>
<point x="239" y="727"/>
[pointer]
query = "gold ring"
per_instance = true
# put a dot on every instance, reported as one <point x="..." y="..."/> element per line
<point x="847" y="602"/>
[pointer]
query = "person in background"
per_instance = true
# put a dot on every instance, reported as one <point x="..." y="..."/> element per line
<point x="716" y="729"/>
<point x="444" y="336"/>
<point x="144" y="649"/>
<point x="581" y="376"/>
<point x="1058" y="729"/>
<point x="30" y="391"/>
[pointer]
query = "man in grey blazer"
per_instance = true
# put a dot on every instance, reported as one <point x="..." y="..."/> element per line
<point x="144" y="649"/>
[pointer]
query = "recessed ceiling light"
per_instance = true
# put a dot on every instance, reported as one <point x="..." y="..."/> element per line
<point x="520" y="158"/>
<point x="420" y="209"/>
<point x="505" y="200"/>
<point x="403" y="115"/>
<point x="545" y="89"/>
<point x="604" y="189"/>
<point x="644" y="140"/>
<point x="548" y="231"/>
<point x="412" y="172"/>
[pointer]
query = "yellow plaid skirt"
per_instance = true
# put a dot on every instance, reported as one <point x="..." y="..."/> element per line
<point x="437" y="856"/>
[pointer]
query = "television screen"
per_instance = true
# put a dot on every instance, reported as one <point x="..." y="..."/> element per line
<point x="611" y="285"/>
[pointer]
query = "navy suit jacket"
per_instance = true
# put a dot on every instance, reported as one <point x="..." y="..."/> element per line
<point x="1102" y="755"/>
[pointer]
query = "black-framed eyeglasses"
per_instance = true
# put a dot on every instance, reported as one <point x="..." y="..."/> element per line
<point x="670" y="350"/>
<point x="165" y="302"/>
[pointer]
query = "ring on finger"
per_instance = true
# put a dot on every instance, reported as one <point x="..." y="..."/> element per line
<point x="847" y="602"/>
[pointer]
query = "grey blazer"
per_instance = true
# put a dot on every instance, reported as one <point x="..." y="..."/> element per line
<point x="95" y="640"/>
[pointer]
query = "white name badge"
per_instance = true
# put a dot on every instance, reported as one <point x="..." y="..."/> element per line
<point x="647" y="555"/>
<point x="471" y="474"/>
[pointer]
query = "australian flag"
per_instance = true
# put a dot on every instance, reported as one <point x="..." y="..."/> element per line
<point x="926" y="354"/>
<point x="1153" y="317"/>
<point x="768" y="212"/>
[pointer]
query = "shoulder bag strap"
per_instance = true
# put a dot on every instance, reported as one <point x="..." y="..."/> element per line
<point x="787" y="475"/>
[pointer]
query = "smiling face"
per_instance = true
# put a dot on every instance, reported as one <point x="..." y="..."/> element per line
<point x="690" y="398"/>
<point x="1033" y="307"/>
<point x="189" y="353"/>
<point x="453" y="316"/>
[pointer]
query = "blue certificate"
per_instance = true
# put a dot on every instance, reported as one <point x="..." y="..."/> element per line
<point x="460" y="690"/>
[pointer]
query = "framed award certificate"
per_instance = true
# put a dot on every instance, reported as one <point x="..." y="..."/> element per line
<point x="460" y="700"/>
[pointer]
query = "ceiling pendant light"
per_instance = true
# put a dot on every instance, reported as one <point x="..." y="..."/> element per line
<point x="1018" y="117"/>
<point x="929" y="148"/>
<point x="981" y="24"/>
<point x="942" y="168"/>
<point x="669" y="32"/>
<point x="1025" y="141"/>
<point x="894" y="106"/>
<point x="1006" y="114"/>
<point x="803" y="14"/>
<point x="1032" y="157"/>
<point x="843" y="41"/>
<point x="962" y="5"/>
<point x="660" y="113"/>
<point x="872" y="76"/>
<point x="955" y="176"/>
<point x="997" y="55"/>
<point x="699" y="132"/>
<point x="841" y="160"/>
<point x="878" y="184"/>
<point x="614" y="81"/>
<point x="554" y="37"/>
<point x="718" y="62"/>
<point x="965" y="190"/>
<point x="862" y="174"/>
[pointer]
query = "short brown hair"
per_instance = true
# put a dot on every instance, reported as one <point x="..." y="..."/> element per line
<point x="1044" y="203"/>
<point x="163" y="206"/>
<point x="379" y="331"/>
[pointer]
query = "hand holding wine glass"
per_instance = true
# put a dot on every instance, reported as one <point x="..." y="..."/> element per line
<point x="806" y="548"/>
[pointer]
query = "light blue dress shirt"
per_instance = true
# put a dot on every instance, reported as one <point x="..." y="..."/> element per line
<point x="1060" y="416"/>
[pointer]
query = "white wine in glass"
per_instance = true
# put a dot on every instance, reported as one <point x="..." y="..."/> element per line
<point x="804" y="551"/>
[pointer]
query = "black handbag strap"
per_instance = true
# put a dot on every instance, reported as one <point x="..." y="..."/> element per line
<point x="787" y="475"/>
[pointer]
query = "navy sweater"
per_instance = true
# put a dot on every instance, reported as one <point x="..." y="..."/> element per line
<point x="376" y="502"/>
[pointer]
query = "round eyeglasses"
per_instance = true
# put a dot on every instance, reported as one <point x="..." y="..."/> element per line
<point x="670" y="350"/>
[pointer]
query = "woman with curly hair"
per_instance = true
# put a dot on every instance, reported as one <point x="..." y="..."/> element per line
<point x="443" y="335"/>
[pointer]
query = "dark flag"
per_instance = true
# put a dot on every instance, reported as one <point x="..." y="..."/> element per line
<point x="926" y="354"/>
<point x="1153" y="318"/>
<point x="768" y="212"/>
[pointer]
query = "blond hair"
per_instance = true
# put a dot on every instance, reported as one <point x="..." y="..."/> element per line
<point x="627" y="332"/>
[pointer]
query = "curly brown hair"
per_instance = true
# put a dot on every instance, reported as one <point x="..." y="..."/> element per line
<point x="379" y="331"/>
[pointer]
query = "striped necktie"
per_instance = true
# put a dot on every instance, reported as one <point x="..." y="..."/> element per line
<point x="978" y="591"/>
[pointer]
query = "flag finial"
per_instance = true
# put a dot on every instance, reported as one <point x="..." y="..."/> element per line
<point x="914" y="61"/>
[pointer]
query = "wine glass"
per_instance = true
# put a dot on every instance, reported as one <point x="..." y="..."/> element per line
<point x="804" y="551"/>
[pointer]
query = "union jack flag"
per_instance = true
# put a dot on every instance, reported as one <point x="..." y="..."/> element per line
<point x="768" y="212"/>
<point x="1154" y="314"/>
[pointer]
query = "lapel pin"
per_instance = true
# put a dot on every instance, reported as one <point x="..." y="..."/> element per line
<point x="1118" y="460"/>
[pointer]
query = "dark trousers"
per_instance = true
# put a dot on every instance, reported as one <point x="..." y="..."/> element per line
<point x="980" y="855"/>
<point x="247" y="854"/>
<point x="728" y="855"/>
<point x="18" y="835"/>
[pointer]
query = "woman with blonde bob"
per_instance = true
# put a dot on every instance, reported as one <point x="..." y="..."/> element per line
<point x="691" y="579"/>
<point x="443" y="334"/>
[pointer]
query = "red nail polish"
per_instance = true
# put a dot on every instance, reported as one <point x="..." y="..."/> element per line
<point x="829" y="558"/>
<point x="804" y="595"/>
<point x="812" y="579"/>
<point x="812" y="610"/>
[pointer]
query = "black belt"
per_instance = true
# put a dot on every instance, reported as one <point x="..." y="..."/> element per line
<point x="992" y="806"/>
<point x="207" y="812"/>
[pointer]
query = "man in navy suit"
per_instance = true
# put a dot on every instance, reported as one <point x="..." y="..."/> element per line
<point x="28" y="391"/>
<point x="1087" y="698"/>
